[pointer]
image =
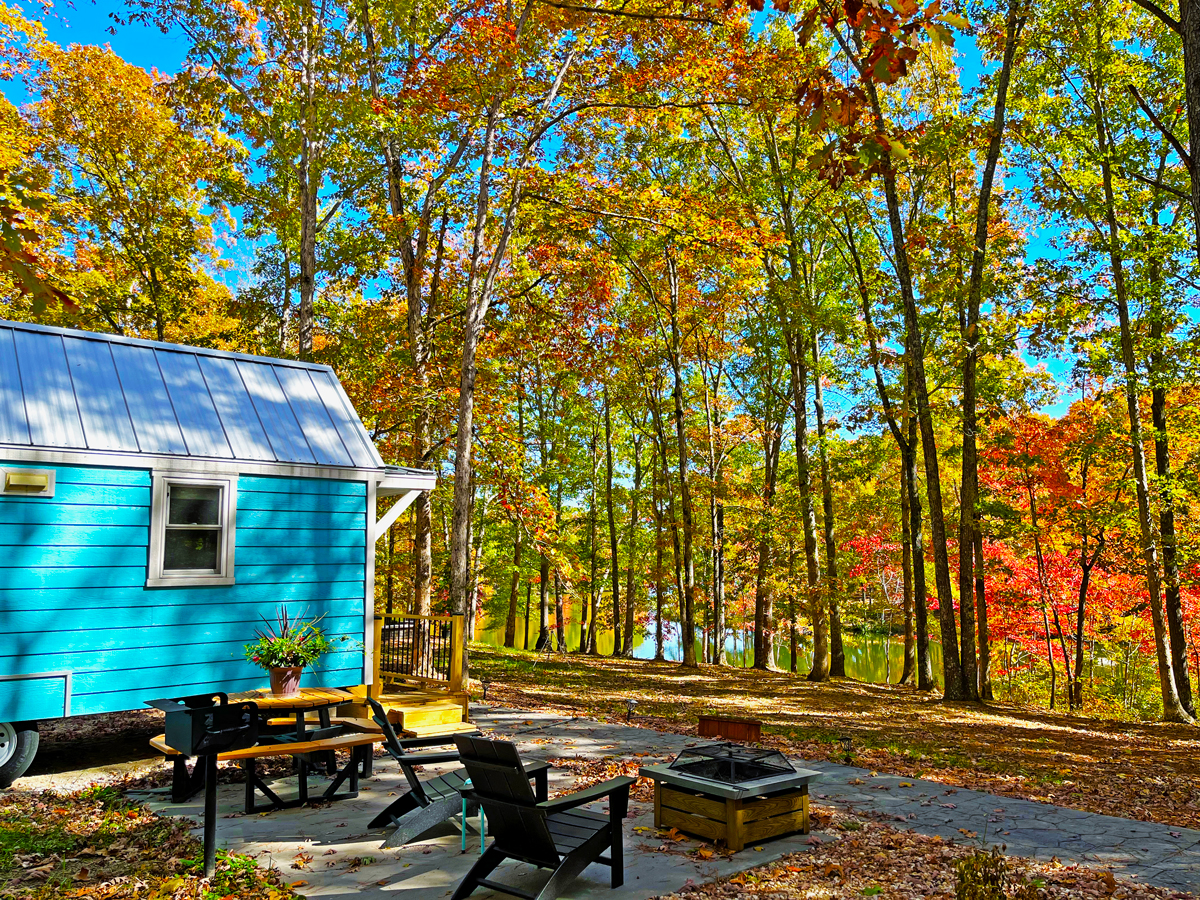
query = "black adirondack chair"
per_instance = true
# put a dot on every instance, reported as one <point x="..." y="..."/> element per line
<point x="430" y="802"/>
<point x="552" y="834"/>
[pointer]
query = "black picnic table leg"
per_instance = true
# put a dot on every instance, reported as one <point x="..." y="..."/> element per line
<point x="330" y="757"/>
<point x="299" y="737"/>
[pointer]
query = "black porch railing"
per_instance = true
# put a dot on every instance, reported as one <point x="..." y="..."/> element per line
<point x="422" y="648"/>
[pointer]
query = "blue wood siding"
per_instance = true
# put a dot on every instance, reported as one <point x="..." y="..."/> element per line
<point x="73" y="595"/>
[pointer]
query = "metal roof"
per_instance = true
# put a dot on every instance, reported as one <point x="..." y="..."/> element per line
<point x="77" y="390"/>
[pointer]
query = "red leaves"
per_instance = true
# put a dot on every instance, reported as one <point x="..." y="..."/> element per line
<point x="808" y="25"/>
<point x="888" y="60"/>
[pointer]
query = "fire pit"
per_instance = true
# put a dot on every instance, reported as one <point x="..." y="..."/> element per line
<point x="732" y="793"/>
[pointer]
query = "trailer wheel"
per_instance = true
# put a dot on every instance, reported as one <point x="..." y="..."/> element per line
<point x="18" y="746"/>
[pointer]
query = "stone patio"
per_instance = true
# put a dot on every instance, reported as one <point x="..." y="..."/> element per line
<point x="345" y="859"/>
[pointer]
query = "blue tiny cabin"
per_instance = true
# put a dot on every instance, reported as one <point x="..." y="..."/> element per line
<point x="157" y="502"/>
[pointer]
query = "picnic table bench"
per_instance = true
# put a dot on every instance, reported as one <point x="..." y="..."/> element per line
<point x="359" y="744"/>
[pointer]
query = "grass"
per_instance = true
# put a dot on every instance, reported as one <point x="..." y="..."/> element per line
<point x="1141" y="771"/>
<point x="94" y="843"/>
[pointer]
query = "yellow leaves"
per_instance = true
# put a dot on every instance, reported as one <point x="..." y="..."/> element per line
<point x="956" y="20"/>
<point x="167" y="889"/>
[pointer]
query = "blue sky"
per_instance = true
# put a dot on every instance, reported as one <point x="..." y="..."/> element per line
<point x="86" y="22"/>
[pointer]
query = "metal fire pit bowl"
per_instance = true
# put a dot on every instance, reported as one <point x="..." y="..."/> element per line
<point x="732" y="771"/>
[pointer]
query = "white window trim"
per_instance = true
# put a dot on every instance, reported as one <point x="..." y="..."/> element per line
<point x="155" y="575"/>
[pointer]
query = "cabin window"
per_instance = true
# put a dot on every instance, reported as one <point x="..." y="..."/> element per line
<point x="192" y="531"/>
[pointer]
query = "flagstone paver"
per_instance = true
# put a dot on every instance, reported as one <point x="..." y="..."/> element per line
<point x="1155" y="854"/>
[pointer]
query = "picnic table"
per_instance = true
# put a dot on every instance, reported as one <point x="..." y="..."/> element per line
<point x="318" y="700"/>
<point x="304" y="745"/>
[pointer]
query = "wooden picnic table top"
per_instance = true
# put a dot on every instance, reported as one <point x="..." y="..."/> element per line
<point x="308" y="698"/>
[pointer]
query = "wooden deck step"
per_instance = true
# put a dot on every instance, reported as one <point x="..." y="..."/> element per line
<point x="437" y="730"/>
<point x="444" y="712"/>
<point x="412" y="710"/>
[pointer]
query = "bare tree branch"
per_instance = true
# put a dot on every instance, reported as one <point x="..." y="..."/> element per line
<point x="628" y="14"/>
<point x="1161" y="126"/>
<point x="1161" y="15"/>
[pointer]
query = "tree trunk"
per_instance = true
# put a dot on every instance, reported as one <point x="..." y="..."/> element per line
<point x="764" y="584"/>
<point x="909" y="674"/>
<point x="510" y="623"/>
<point x="479" y="526"/>
<point x="952" y="676"/>
<point x="477" y="300"/>
<point x="1173" y="710"/>
<point x="560" y="619"/>
<point x="631" y="554"/>
<point x="612" y="526"/>
<point x="981" y="617"/>
<point x="818" y="612"/>
<point x="1166" y="516"/>
<point x="688" y="600"/>
<point x="837" y="659"/>
<point x="1049" y="653"/>
<point x="719" y="656"/>
<point x="915" y="351"/>
<point x="1189" y="32"/>
<point x="660" y="586"/>
<point x="543" y="638"/>
<point x="586" y="641"/>
<point x="716" y="517"/>
<point x="422" y="310"/>
<point x="920" y="592"/>
<point x="1085" y="566"/>
<point x="308" y="191"/>
<point x="970" y="568"/>
<point x="904" y="433"/>
<point x="528" y="600"/>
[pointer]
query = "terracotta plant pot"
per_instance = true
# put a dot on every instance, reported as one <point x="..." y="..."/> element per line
<point x="285" y="682"/>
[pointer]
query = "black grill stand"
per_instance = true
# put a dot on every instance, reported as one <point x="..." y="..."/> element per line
<point x="203" y="726"/>
<point x="210" y="814"/>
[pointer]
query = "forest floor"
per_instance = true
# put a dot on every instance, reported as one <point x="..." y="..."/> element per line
<point x="96" y="844"/>
<point x="1134" y="770"/>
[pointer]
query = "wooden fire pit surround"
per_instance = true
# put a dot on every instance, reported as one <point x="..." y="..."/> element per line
<point x="764" y="802"/>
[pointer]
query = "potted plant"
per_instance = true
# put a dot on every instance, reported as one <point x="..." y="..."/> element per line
<point x="285" y="647"/>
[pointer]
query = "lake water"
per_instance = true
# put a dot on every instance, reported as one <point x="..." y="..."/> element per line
<point x="869" y="657"/>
